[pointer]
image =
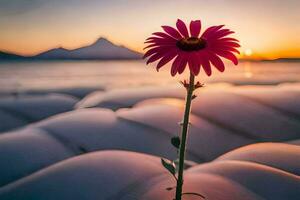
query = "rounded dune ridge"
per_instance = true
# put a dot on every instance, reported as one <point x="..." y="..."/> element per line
<point x="278" y="155"/>
<point x="9" y="121"/>
<point x="98" y="175"/>
<point x="19" y="111"/>
<point x="101" y="129"/>
<point x="119" y="98"/>
<point x="247" y="117"/>
<point x="75" y="92"/>
<point x="51" y="157"/>
<point x="26" y="151"/>
<point x="129" y="175"/>
<point x="214" y="105"/>
<point x="211" y="186"/>
<point x="202" y="137"/>
<point x="281" y="98"/>
<point x="265" y="181"/>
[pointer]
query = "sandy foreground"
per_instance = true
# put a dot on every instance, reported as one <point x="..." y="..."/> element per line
<point x="82" y="144"/>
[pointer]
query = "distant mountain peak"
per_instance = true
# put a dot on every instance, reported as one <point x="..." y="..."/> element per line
<point x="62" y="48"/>
<point x="101" y="41"/>
<point x="101" y="49"/>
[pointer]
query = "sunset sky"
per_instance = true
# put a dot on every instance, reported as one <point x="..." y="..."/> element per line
<point x="266" y="29"/>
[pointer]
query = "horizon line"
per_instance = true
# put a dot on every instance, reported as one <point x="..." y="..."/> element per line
<point x="242" y="58"/>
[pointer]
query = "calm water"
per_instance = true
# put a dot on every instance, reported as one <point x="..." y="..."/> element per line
<point x="111" y="74"/>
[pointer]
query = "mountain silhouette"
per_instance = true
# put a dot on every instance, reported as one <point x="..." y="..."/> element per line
<point x="5" y="56"/>
<point x="102" y="49"/>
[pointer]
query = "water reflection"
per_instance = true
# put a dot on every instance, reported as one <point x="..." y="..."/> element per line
<point x="119" y="74"/>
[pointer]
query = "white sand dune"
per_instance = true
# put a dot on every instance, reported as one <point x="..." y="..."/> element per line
<point x="128" y="176"/>
<point x="278" y="155"/>
<point x="255" y="107"/>
<point x="120" y="98"/>
<point x="265" y="181"/>
<point x="19" y="111"/>
<point x="282" y="98"/>
<point x="92" y="176"/>
<point x="26" y="151"/>
<point x="77" y="92"/>
<point x="204" y="135"/>
<point x="43" y="160"/>
<point x="246" y="116"/>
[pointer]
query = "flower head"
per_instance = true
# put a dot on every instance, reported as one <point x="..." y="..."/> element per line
<point x="189" y="49"/>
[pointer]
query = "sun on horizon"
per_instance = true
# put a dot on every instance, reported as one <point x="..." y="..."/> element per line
<point x="28" y="28"/>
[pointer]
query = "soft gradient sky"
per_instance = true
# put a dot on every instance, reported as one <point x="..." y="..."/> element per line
<point x="269" y="28"/>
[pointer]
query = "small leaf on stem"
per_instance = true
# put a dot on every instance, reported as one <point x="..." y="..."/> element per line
<point x="170" y="188"/>
<point x="198" y="85"/>
<point x="185" y="84"/>
<point x="194" y="96"/>
<point x="175" y="142"/>
<point x="170" y="166"/>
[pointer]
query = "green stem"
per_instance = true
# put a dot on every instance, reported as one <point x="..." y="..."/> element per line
<point x="184" y="133"/>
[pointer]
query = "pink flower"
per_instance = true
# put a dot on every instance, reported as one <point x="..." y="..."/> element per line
<point x="189" y="49"/>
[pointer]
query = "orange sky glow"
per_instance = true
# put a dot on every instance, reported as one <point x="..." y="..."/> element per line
<point x="266" y="29"/>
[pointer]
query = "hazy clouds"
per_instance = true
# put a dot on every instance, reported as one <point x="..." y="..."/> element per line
<point x="29" y="26"/>
<point x="15" y="7"/>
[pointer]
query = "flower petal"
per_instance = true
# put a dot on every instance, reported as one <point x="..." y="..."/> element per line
<point x="227" y="39"/>
<point x="210" y="30"/>
<point x="151" y="38"/>
<point x="194" y="64"/>
<point x="156" y="50"/>
<point x="183" y="63"/>
<point x="155" y="57"/>
<point x="195" y="28"/>
<point x="162" y="40"/>
<point x="224" y="48"/>
<point x="182" y="28"/>
<point x="216" y="61"/>
<point x="172" y="32"/>
<point x="230" y="44"/>
<point x="227" y="48"/>
<point x="175" y="65"/>
<point x="157" y="45"/>
<point x="228" y="55"/>
<point x="167" y="58"/>
<point x="222" y="33"/>
<point x="163" y="35"/>
<point x="205" y="63"/>
<point x="151" y="52"/>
